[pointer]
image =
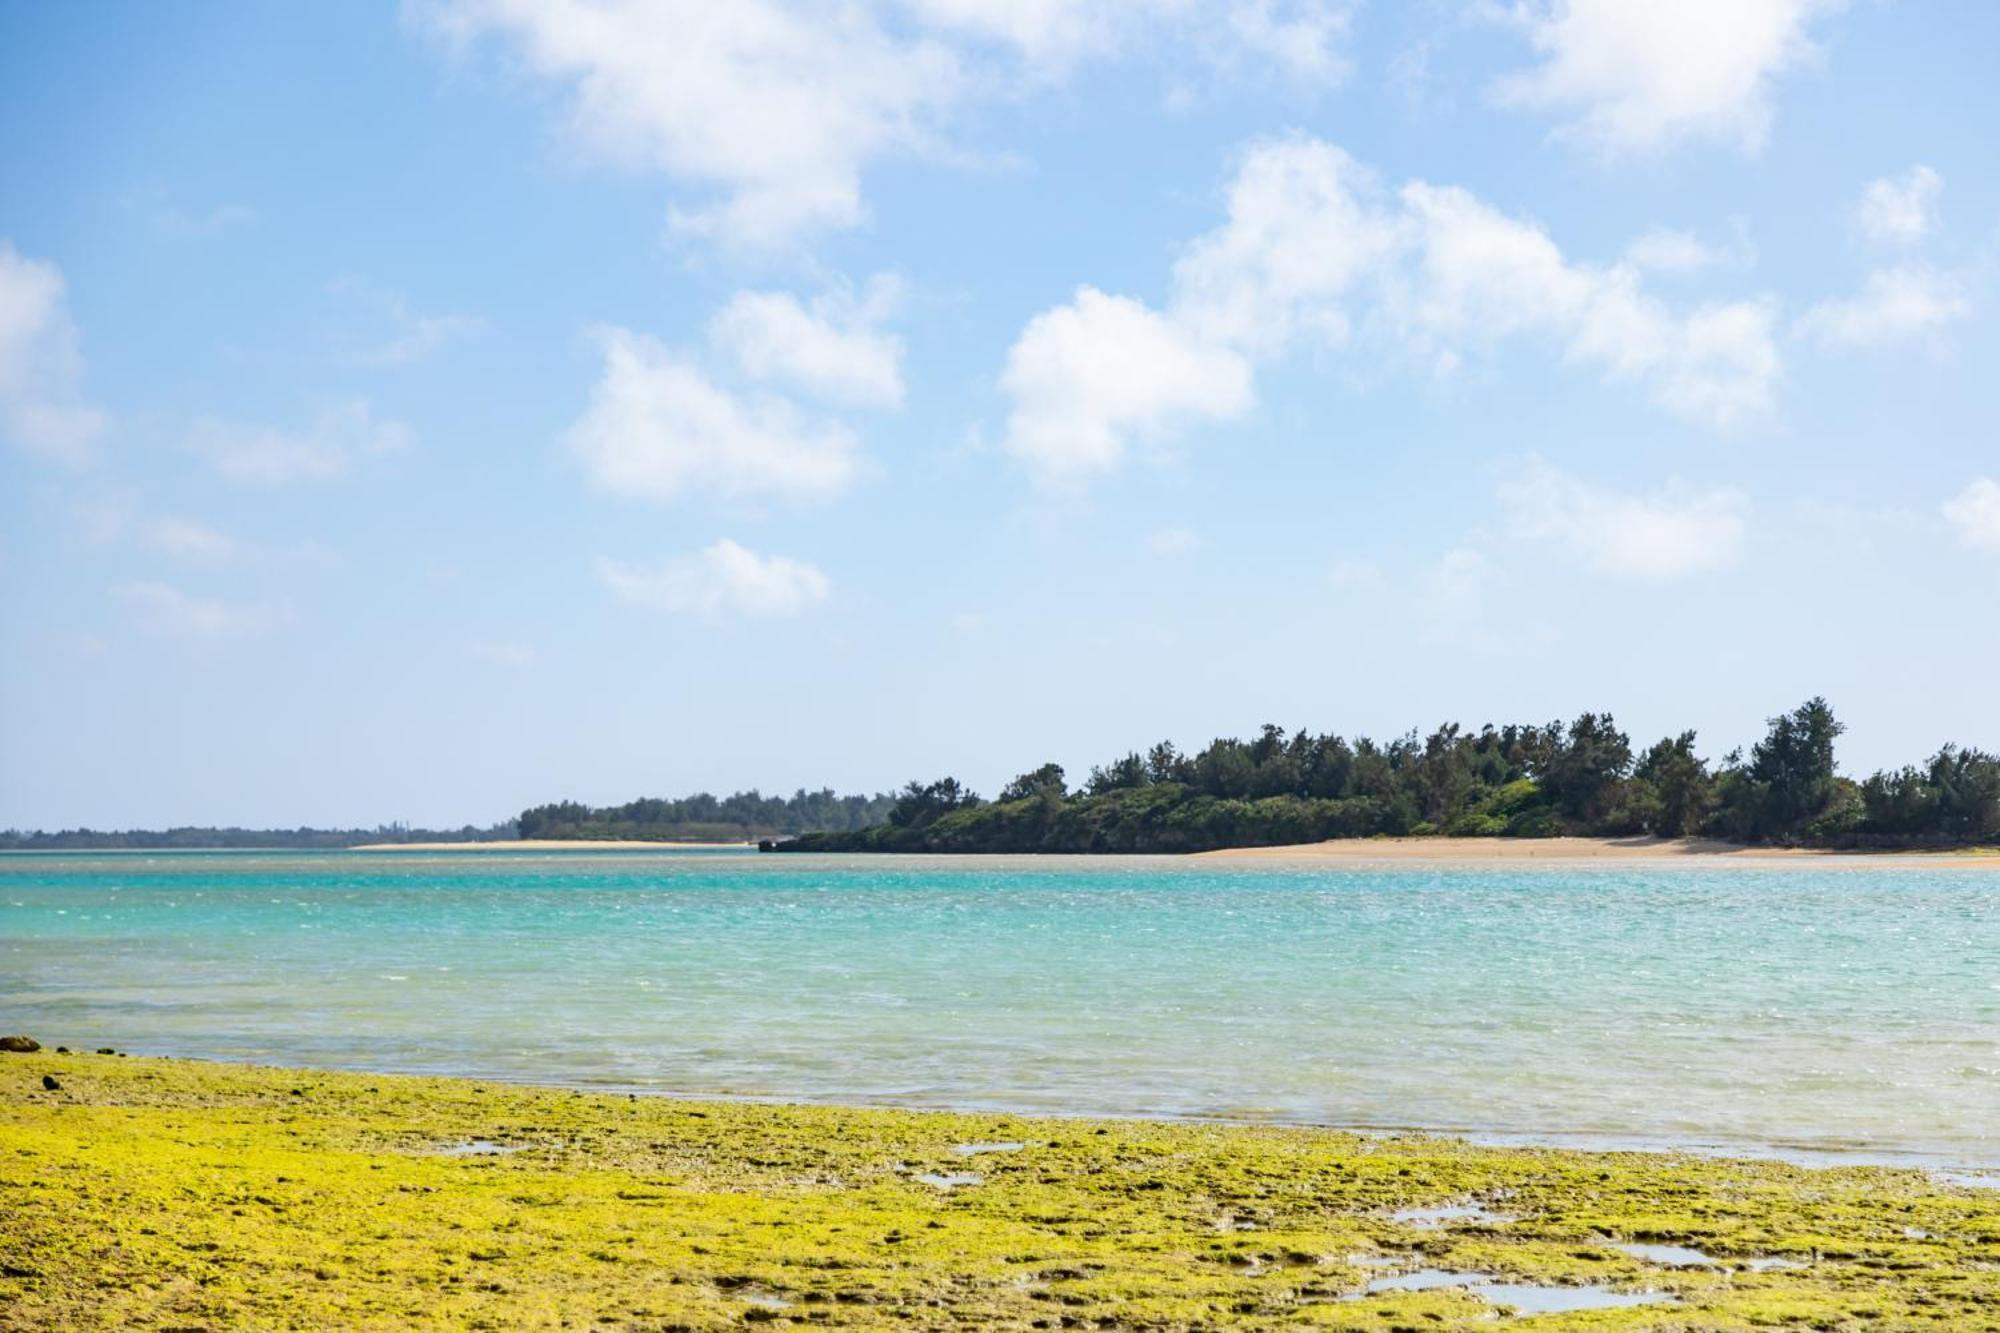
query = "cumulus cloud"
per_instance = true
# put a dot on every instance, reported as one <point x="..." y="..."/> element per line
<point x="1479" y="276"/>
<point x="42" y="409"/>
<point x="265" y="456"/>
<point x="165" y="609"/>
<point x="833" y="348"/>
<point x="1304" y="224"/>
<point x="1640" y="77"/>
<point x="771" y="111"/>
<point x="774" y="108"/>
<point x="723" y="578"/>
<point x="1975" y="514"/>
<point x="1894" y="304"/>
<point x="1900" y="209"/>
<point x="1670" y="534"/>
<point x="1088" y="376"/>
<point x="1315" y="248"/>
<point x="658" y="428"/>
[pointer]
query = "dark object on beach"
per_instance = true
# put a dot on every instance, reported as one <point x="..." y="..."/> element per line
<point x="62" y="1050"/>
<point x="20" y="1045"/>
<point x="49" y="1083"/>
<point x="106" y="1050"/>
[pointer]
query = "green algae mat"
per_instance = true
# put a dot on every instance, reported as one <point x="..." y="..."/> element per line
<point x="181" y="1195"/>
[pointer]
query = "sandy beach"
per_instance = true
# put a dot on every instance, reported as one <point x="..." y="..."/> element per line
<point x="548" y="845"/>
<point x="1515" y="851"/>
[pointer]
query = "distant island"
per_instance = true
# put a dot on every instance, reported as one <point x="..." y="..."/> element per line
<point x="1278" y="788"/>
<point x="1532" y="781"/>
<point x="193" y="838"/>
<point x="743" y="817"/>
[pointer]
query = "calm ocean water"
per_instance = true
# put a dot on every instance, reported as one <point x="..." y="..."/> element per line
<point x="1743" y="1007"/>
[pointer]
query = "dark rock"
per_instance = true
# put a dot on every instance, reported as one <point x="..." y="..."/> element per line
<point x="106" y="1050"/>
<point x="20" y="1045"/>
<point x="49" y="1083"/>
<point x="62" y="1050"/>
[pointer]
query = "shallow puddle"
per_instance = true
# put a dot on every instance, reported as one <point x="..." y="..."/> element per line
<point x="1525" y="1298"/>
<point x="1669" y="1256"/>
<point x="1522" y="1298"/>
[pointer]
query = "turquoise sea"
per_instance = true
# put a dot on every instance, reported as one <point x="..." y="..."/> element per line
<point x="1744" y="1007"/>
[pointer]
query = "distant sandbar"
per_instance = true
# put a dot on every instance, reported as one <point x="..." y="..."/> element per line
<point x="547" y="845"/>
<point x="1512" y="851"/>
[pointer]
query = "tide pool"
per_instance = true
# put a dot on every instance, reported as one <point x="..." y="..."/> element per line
<point x="1851" y="1007"/>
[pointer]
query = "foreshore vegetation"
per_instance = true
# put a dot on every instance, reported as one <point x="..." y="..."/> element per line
<point x="179" y="1194"/>
<point x="1518" y="781"/>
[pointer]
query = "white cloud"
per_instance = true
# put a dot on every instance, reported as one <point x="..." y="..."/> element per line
<point x="1665" y="250"/>
<point x="411" y="334"/>
<point x="1305" y="224"/>
<point x="1173" y="541"/>
<point x="168" y="610"/>
<point x="1313" y="246"/>
<point x="1460" y="576"/>
<point x="1900" y="209"/>
<point x="188" y="540"/>
<point x="724" y="577"/>
<point x="1670" y="534"/>
<point x="771" y="111"/>
<point x="1089" y="376"/>
<point x="657" y="428"/>
<point x="1975" y="513"/>
<point x="1305" y="38"/>
<point x="42" y="409"/>
<point x="265" y="456"/>
<point x="775" y="107"/>
<point x="834" y="349"/>
<point x="1642" y="76"/>
<point x="1480" y="275"/>
<point x="1894" y="304"/>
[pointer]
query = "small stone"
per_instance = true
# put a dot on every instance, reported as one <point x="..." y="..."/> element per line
<point x="62" y="1050"/>
<point x="20" y="1045"/>
<point x="49" y="1083"/>
<point x="106" y="1050"/>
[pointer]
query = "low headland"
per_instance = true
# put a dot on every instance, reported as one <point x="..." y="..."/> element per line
<point x="1514" y="783"/>
<point x="166" y="1193"/>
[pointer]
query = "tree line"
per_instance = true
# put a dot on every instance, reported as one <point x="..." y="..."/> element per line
<point x="1514" y="781"/>
<point x="742" y="817"/>
<point x="192" y="838"/>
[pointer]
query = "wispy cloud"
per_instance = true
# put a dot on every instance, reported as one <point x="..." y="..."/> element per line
<point x="723" y="578"/>
<point x="338" y="437"/>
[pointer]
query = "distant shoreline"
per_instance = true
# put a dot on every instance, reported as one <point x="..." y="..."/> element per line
<point x="1513" y="851"/>
<point x="548" y="845"/>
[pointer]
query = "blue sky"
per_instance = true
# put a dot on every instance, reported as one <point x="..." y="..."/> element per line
<point x="419" y="412"/>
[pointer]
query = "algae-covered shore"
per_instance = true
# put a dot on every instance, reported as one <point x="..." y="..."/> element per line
<point x="177" y="1194"/>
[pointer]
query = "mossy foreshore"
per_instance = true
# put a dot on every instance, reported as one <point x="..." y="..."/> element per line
<point x="183" y="1195"/>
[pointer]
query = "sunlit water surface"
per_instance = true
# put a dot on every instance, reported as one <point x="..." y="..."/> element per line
<point x="1853" y="1007"/>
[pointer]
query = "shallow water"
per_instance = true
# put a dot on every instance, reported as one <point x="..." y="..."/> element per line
<point x="1810" y="1010"/>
